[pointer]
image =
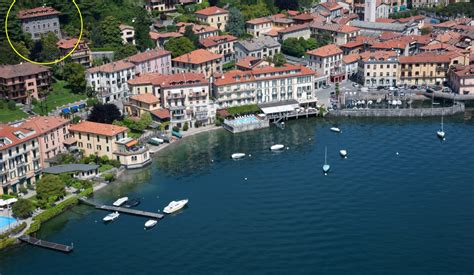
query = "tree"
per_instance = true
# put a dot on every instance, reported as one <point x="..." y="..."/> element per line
<point x="305" y="4"/>
<point x="179" y="46"/>
<point x="425" y="30"/>
<point x="142" y="30"/>
<point x="23" y="208"/>
<point x="286" y="5"/>
<point x="46" y="50"/>
<point x="255" y="11"/>
<point x="104" y="113"/>
<point x="125" y="51"/>
<point x="293" y="47"/>
<point x="50" y="186"/>
<point x="235" y="24"/>
<point x="111" y="32"/>
<point x="337" y="90"/>
<point x="279" y="60"/>
<point x="189" y="33"/>
<point x="74" y="74"/>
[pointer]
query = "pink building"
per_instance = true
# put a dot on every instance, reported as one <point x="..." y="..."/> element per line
<point x="52" y="132"/>
<point x="151" y="61"/>
<point x="461" y="79"/>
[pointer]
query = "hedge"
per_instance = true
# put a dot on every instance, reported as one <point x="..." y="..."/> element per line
<point x="6" y="242"/>
<point x="13" y="231"/>
<point x="252" y="108"/>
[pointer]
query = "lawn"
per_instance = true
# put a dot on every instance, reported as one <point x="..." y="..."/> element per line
<point x="7" y="115"/>
<point x="59" y="96"/>
<point x="105" y="167"/>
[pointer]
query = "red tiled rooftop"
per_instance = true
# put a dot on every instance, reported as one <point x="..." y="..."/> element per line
<point x="211" y="11"/>
<point x="248" y="62"/>
<point x="260" y="20"/>
<point x="158" y="35"/>
<point x="331" y="6"/>
<point x="68" y="43"/>
<point x="303" y="17"/>
<point x="197" y="57"/>
<point x="429" y="57"/>
<point x="378" y="55"/>
<point x="170" y="80"/>
<point x="97" y="128"/>
<point x="350" y="58"/>
<point x="22" y="69"/>
<point x="327" y="50"/>
<point x="44" y="124"/>
<point x="216" y="40"/>
<point x="294" y="28"/>
<point x="112" y="67"/>
<point x="147" y="55"/>
<point x="16" y="135"/>
<point x="145" y="98"/>
<point x="37" y="12"/>
<point x="385" y="20"/>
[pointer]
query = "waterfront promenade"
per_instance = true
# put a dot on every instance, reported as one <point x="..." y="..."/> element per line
<point x="399" y="112"/>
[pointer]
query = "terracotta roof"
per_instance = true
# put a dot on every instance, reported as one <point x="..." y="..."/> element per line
<point x="350" y="58"/>
<point x="279" y="15"/>
<point x="158" y="35"/>
<point x="447" y="24"/>
<point x="197" y="57"/>
<point x="22" y="69"/>
<point x="389" y="35"/>
<point x="211" y="11"/>
<point x="385" y="20"/>
<point x="196" y="28"/>
<point x="170" y="80"/>
<point x="260" y="20"/>
<point x="292" y="12"/>
<point x="343" y="20"/>
<point x="268" y="72"/>
<point x="324" y="13"/>
<point x="303" y="17"/>
<point x="112" y="67"/>
<point x="216" y="40"/>
<point x="294" y="28"/>
<point x="325" y="51"/>
<point x="97" y="128"/>
<point x="248" y="62"/>
<point x="147" y="55"/>
<point x="68" y="43"/>
<point x="161" y="113"/>
<point x="429" y="57"/>
<point x="348" y="29"/>
<point x="449" y="37"/>
<point x="377" y="55"/>
<point x="272" y="33"/>
<point x="411" y="18"/>
<point x="145" y="98"/>
<point x="15" y="135"/>
<point x="37" y="12"/>
<point x="44" y="124"/>
<point x="464" y="71"/>
<point x="331" y="6"/>
<point x="439" y="46"/>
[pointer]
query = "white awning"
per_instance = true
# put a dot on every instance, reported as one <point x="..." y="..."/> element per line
<point x="279" y="109"/>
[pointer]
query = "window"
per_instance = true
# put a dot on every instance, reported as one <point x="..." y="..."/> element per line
<point x="99" y="147"/>
<point x="89" y="146"/>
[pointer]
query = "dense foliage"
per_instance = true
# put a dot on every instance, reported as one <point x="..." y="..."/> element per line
<point x="179" y="46"/>
<point x="252" y="108"/>
<point x="105" y="113"/>
<point x="298" y="47"/>
<point x="235" y="24"/>
<point x="23" y="208"/>
<point x="50" y="188"/>
<point x="134" y="124"/>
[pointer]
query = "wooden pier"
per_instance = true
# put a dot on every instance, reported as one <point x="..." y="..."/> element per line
<point x="50" y="245"/>
<point x="153" y="215"/>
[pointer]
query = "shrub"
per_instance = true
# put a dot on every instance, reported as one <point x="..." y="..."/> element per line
<point x="23" y="190"/>
<point x="185" y="126"/>
<point x="176" y="128"/>
<point x="109" y="177"/>
<point x="23" y="208"/>
<point x="50" y="186"/>
<point x="30" y="186"/>
<point x="11" y="105"/>
<point x="2" y="104"/>
<point x="197" y="124"/>
<point x="115" y="163"/>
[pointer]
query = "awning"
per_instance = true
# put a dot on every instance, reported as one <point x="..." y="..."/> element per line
<point x="74" y="108"/>
<point x="82" y="106"/>
<point x="66" y="111"/>
<point x="70" y="141"/>
<point x="131" y="143"/>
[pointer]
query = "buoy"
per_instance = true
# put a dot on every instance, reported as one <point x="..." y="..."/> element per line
<point x="287" y="148"/>
<point x="250" y="155"/>
<point x="245" y="178"/>
<point x="212" y="160"/>
<point x="397" y="153"/>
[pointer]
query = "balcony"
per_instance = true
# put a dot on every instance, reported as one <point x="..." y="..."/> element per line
<point x="198" y="94"/>
<point x="174" y="108"/>
<point x="176" y="96"/>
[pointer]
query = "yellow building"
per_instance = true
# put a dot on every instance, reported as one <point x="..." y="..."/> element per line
<point x="111" y="141"/>
<point x="214" y="16"/>
<point x="428" y="68"/>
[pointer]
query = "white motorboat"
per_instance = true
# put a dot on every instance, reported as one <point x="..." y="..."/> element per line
<point x="335" y="129"/>
<point x="277" y="147"/>
<point x="175" y="206"/>
<point x="150" y="223"/>
<point x="343" y="153"/>
<point x="326" y="166"/>
<point x="441" y="132"/>
<point x="110" y="217"/>
<point x="120" y="201"/>
<point x="238" y="155"/>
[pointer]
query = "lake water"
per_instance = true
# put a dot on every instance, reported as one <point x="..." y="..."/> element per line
<point x="376" y="212"/>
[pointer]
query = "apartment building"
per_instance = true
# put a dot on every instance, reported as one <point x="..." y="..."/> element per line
<point x="378" y="69"/>
<point x="296" y="31"/>
<point x="259" y="26"/>
<point x="24" y="81"/>
<point x="151" y="61"/>
<point x="327" y="60"/>
<point x="198" y="61"/>
<point x="428" y="68"/>
<point x="461" y="79"/>
<point x="214" y="16"/>
<point x="82" y="54"/>
<point x="260" y="47"/>
<point x="341" y="34"/>
<point x="202" y="31"/>
<point x="263" y="85"/>
<point x="331" y="7"/>
<point x="139" y="104"/>
<point x="20" y="162"/>
<point x="167" y="5"/>
<point x="223" y="45"/>
<point x="128" y="34"/>
<point x="110" y="80"/>
<point x="185" y="96"/>
<point x="111" y="141"/>
<point x="51" y="133"/>
<point x="40" y="20"/>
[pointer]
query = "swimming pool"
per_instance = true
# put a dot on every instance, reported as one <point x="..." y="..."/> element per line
<point x="5" y="221"/>
<point x="244" y="120"/>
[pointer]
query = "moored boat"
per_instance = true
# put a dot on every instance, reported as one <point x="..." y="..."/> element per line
<point x="132" y="203"/>
<point x="441" y="132"/>
<point x="238" y="155"/>
<point x="277" y="147"/>
<point x="120" y="201"/>
<point x="175" y="206"/>
<point x="326" y="166"/>
<point x="343" y="153"/>
<point x="335" y="129"/>
<point x="150" y="223"/>
<point x="110" y="217"/>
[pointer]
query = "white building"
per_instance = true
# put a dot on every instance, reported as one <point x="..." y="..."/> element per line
<point x="128" y="34"/>
<point x="259" y="26"/>
<point x="327" y="60"/>
<point x="265" y="84"/>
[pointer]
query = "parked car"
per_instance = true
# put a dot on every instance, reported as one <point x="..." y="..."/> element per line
<point x="402" y="93"/>
<point x="380" y="87"/>
<point x="413" y="87"/>
<point x="392" y="88"/>
<point x="355" y="85"/>
<point x="326" y="86"/>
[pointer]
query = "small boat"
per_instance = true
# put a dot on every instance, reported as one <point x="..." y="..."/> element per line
<point x="150" y="223"/>
<point x="110" y="217"/>
<point x="175" y="206"/>
<point x="335" y="129"/>
<point x="343" y="153"/>
<point x="326" y="166"/>
<point x="238" y="155"/>
<point x="277" y="147"/>
<point x="441" y="132"/>
<point x="120" y="201"/>
<point x="132" y="203"/>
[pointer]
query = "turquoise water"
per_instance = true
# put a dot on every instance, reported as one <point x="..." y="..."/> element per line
<point x="5" y="221"/>
<point x="376" y="212"/>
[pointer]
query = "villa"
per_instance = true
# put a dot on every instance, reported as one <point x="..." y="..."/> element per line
<point x="38" y="21"/>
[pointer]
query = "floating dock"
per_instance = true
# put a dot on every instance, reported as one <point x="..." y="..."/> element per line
<point x="50" y="245"/>
<point x="153" y="215"/>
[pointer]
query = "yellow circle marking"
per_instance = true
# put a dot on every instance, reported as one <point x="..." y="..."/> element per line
<point x="51" y="62"/>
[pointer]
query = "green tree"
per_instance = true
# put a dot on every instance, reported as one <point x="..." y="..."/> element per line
<point x="337" y="90"/>
<point x="255" y="11"/>
<point x="293" y="47"/>
<point x="279" y="60"/>
<point x="425" y="30"/>
<point x="189" y="33"/>
<point x="23" y="208"/>
<point x="235" y="24"/>
<point x="74" y="74"/>
<point x="142" y="30"/>
<point x="179" y="46"/>
<point x="105" y="113"/>
<point x="46" y="50"/>
<point x="111" y="32"/>
<point x="125" y="51"/>
<point x="50" y="186"/>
